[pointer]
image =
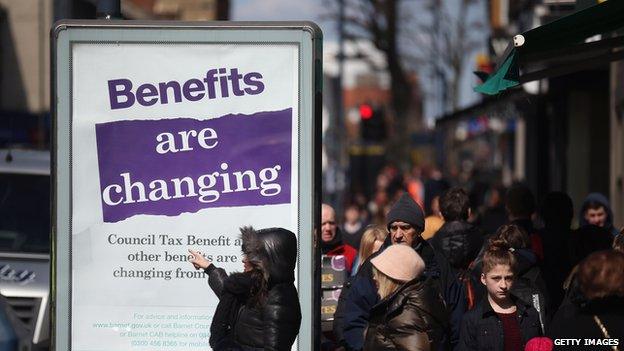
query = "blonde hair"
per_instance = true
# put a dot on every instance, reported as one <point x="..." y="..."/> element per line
<point x="371" y="234"/>
<point x="385" y="285"/>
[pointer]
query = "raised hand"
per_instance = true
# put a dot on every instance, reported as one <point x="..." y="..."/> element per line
<point x="198" y="260"/>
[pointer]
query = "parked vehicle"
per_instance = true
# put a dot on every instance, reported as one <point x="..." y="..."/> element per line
<point x="8" y="339"/>
<point x="25" y="248"/>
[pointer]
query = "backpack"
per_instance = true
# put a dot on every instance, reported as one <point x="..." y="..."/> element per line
<point x="468" y="286"/>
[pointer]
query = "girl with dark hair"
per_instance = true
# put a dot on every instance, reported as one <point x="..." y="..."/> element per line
<point x="259" y="308"/>
<point x="500" y="321"/>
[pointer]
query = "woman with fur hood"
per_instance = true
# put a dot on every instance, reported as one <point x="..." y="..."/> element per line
<point x="259" y="308"/>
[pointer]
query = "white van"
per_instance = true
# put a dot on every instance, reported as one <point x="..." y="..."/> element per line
<point x="25" y="245"/>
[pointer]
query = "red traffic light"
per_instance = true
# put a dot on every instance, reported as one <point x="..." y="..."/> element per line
<point x="366" y="111"/>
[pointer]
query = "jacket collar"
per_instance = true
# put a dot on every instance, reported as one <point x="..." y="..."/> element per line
<point x="333" y="243"/>
<point x="487" y="309"/>
<point x="428" y="254"/>
<point x="524" y="223"/>
<point x="458" y="226"/>
<point x="394" y="300"/>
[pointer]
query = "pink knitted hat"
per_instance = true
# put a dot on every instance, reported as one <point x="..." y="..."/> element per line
<point x="399" y="262"/>
<point x="539" y="343"/>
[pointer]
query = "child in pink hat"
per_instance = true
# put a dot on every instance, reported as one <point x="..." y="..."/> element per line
<point x="539" y="343"/>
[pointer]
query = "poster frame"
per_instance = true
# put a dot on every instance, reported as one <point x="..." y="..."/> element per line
<point x="307" y="35"/>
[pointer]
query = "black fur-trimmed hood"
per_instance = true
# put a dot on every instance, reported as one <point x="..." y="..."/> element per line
<point x="274" y="250"/>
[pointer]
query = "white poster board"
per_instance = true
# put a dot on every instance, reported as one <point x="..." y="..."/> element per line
<point x="177" y="137"/>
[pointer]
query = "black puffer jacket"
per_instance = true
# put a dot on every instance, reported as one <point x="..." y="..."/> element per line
<point x="274" y="324"/>
<point x="482" y="329"/>
<point x="459" y="241"/>
<point x="412" y="318"/>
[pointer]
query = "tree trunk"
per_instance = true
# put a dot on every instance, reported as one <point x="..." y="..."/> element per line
<point x="400" y="86"/>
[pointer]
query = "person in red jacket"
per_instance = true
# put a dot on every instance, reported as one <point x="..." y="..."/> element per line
<point x="331" y="238"/>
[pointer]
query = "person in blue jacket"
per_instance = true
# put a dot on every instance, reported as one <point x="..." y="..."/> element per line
<point x="405" y="222"/>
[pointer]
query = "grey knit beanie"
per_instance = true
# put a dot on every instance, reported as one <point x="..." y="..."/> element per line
<point x="408" y="211"/>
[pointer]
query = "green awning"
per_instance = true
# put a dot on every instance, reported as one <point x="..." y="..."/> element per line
<point x="504" y="78"/>
<point x="559" y="47"/>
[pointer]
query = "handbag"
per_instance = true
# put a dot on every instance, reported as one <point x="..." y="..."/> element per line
<point x="604" y="331"/>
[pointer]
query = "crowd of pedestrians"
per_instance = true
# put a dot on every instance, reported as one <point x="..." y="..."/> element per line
<point x="468" y="280"/>
<point x="506" y="275"/>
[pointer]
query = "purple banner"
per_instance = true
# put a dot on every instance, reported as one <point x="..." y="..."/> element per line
<point x="172" y="166"/>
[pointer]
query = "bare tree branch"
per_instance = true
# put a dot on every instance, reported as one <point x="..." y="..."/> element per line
<point x="412" y="39"/>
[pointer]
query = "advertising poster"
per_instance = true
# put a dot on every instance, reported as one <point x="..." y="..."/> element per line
<point x="173" y="147"/>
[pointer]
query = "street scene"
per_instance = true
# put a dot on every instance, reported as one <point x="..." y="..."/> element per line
<point x="311" y="175"/>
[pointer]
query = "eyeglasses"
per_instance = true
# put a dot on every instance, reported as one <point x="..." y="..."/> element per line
<point x="404" y="227"/>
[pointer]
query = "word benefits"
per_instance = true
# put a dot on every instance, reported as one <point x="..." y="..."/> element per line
<point x="216" y="83"/>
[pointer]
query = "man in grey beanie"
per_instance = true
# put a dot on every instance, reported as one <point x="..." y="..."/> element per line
<point x="406" y="222"/>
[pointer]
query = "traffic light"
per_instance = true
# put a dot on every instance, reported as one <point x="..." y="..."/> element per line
<point x="372" y="124"/>
<point x="366" y="111"/>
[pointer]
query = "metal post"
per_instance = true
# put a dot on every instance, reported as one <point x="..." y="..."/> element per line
<point x="338" y="133"/>
<point x="108" y="9"/>
<point x="341" y="16"/>
<point x="617" y="143"/>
